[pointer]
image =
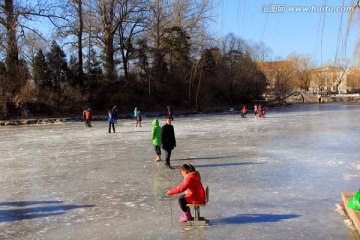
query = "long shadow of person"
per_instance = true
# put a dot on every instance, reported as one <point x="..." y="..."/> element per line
<point x="23" y="212"/>
<point x="253" y="218"/>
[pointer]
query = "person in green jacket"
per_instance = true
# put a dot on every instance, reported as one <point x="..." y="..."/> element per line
<point x="156" y="138"/>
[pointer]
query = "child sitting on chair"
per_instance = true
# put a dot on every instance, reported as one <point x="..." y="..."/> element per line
<point x="195" y="193"/>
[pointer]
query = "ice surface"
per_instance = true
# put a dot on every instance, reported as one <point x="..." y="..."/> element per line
<point x="273" y="178"/>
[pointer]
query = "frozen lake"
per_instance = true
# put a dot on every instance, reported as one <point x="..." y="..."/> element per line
<point x="273" y="178"/>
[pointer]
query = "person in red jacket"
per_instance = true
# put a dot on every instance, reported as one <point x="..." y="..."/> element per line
<point x="88" y="117"/>
<point x="195" y="192"/>
<point x="243" y="112"/>
<point x="264" y="111"/>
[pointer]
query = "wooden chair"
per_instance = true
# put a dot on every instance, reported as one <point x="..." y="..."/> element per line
<point x="198" y="220"/>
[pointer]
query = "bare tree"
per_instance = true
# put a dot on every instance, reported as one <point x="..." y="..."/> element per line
<point x="319" y="79"/>
<point x="30" y="45"/>
<point x="132" y="20"/>
<point x="260" y="52"/>
<point x="303" y="66"/>
<point x="234" y="51"/>
<point x="353" y="80"/>
<point x="339" y="72"/>
<point x="279" y="75"/>
<point x="192" y="16"/>
<point x="160" y="21"/>
<point x="284" y="77"/>
<point x="15" y="17"/>
<point x="73" y="26"/>
<point x="105" y="27"/>
<point x="177" y="27"/>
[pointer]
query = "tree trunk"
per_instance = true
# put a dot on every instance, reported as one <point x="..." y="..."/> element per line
<point x="192" y="77"/>
<point x="80" y="46"/>
<point x="11" y="49"/>
<point x="197" y="93"/>
<point x="109" y="58"/>
<point x="231" y="92"/>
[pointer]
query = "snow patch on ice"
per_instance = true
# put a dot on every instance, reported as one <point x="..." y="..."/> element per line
<point x="339" y="209"/>
<point x="350" y="176"/>
<point x="129" y="204"/>
<point x="350" y="224"/>
<point x="334" y="163"/>
<point x="357" y="167"/>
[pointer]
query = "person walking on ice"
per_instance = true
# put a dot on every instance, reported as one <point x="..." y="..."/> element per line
<point x="84" y="117"/>
<point x="264" y="111"/>
<point x="111" y="119"/>
<point x="193" y="188"/>
<point x="135" y="112"/>
<point x="138" y="119"/>
<point x="243" y="112"/>
<point x="115" y="114"/>
<point x="256" y="109"/>
<point x="260" y="111"/>
<point x="168" y="140"/>
<point x="170" y="113"/>
<point x="156" y="138"/>
<point x="88" y="117"/>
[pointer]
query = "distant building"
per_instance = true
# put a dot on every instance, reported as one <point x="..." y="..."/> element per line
<point x="330" y="79"/>
<point x="324" y="80"/>
<point x="353" y="79"/>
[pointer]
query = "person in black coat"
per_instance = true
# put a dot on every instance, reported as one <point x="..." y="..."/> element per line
<point x="168" y="141"/>
<point x="170" y="113"/>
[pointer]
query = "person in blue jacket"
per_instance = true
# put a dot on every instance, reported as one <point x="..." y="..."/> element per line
<point x="135" y="112"/>
<point x="111" y="119"/>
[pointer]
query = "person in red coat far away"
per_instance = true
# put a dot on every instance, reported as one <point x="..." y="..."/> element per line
<point x="195" y="192"/>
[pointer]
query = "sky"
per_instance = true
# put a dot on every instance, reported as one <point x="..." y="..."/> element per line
<point x="313" y="28"/>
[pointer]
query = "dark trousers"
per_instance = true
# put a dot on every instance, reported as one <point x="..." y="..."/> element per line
<point x="113" y="126"/>
<point x="157" y="150"/>
<point x="182" y="202"/>
<point x="167" y="153"/>
<point x="170" y="115"/>
<point x="88" y="122"/>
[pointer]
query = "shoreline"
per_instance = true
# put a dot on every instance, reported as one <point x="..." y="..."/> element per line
<point x="59" y="120"/>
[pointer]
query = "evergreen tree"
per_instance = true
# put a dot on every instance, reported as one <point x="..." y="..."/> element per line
<point x="209" y="61"/>
<point x="177" y="46"/>
<point x="142" y="58"/>
<point x="41" y="71"/>
<point x="58" y="69"/>
<point x="93" y="66"/>
<point x="74" y="73"/>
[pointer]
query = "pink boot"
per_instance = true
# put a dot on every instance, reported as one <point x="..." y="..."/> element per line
<point x="186" y="216"/>
<point x="183" y="218"/>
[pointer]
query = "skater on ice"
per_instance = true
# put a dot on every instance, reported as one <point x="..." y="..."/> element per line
<point x="135" y="112"/>
<point x="256" y="109"/>
<point x="168" y="140"/>
<point x="138" y="119"/>
<point x="111" y="119"/>
<point x="88" y="117"/>
<point x="170" y="113"/>
<point x="243" y="112"/>
<point x="156" y="138"/>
